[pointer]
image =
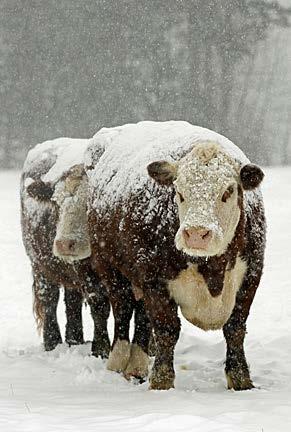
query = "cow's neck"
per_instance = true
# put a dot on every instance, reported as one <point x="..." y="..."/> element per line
<point x="213" y="268"/>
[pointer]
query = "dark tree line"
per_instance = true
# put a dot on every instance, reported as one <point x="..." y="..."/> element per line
<point x="69" y="67"/>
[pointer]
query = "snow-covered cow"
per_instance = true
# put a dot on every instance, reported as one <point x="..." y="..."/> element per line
<point x="55" y="234"/>
<point x="175" y="211"/>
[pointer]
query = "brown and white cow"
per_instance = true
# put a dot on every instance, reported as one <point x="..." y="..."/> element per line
<point x="55" y="236"/>
<point x="175" y="212"/>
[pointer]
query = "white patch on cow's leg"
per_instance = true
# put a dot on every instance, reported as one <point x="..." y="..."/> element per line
<point x="119" y="356"/>
<point x="138" y="365"/>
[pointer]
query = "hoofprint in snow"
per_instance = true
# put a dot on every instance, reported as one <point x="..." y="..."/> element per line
<point x="68" y="390"/>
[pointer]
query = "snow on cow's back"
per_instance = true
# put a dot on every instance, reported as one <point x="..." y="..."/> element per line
<point x="120" y="155"/>
<point x="52" y="158"/>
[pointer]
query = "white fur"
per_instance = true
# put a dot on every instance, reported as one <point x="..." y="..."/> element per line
<point x="190" y="292"/>
<point x="129" y="359"/>
<point x="119" y="356"/>
<point x="71" y="197"/>
<point x="203" y="175"/>
<point x="138" y="364"/>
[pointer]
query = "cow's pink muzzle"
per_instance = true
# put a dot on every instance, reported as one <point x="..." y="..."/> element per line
<point x="197" y="238"/>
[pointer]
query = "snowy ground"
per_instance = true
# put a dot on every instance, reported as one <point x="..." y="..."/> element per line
<point x="66" y="390"/>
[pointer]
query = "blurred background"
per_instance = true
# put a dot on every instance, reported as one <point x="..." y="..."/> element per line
<point x="68" y="68"/>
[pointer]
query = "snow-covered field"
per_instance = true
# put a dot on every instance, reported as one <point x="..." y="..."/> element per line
<point x="66" y="390"/>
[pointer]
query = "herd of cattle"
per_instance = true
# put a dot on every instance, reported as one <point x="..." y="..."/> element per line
<point x="144" y="218"/>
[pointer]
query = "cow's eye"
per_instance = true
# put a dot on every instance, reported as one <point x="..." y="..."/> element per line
<point x="229" y="191"/>
<point x="180" y="197"/>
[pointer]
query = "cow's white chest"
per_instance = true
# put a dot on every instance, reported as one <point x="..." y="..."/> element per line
<point x="190" y="292"/>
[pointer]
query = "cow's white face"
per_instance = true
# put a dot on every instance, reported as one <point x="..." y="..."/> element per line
<point x="72" y="237"/>
<point x="206" y="181"/>
<point x="69" y="195"/>
<point x="207" y="198"/>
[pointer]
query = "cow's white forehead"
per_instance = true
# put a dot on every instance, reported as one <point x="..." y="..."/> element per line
<point x="68" y="188"/>
<point x="60" y="193"/>
<point x="205" y="170"/>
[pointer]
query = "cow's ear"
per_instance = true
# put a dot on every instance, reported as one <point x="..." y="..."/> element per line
<point x="163" y="172"/>
<point x="40" y="190"/>
<point x="251" y="176"/>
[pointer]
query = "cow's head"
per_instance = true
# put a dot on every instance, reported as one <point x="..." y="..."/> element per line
<point x="208" y="185"/>
<point x="69" y="195"/>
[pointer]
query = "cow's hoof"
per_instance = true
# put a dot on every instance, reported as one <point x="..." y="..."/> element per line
<point x="138" y="364"/>
<point x="100" y="348"/>
<point x="238" y="381"/>
<point x="162" y="378"/>
<point x="51" y="335"/>
<point x="74" y="336"/>
<point x="50" y="345"/>
<point x="119" y="356"/>
<point x="75" y="341"/>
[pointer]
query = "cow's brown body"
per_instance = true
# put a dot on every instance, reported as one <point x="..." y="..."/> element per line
<point x="131" y="247"/>
<point x="39" y="218"/>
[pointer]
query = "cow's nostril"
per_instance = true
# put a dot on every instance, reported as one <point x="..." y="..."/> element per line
<point x="205" y="235"/>
<point x="71" y="244"/>
<point x="65" y="247"/>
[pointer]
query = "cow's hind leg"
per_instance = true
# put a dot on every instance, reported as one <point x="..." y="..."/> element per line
<point x="74" y="326"/>
<point x="122" y="302"/>
<point x="100" y="308"/>
<point x="46" y="297"/>
<point x="139" y="360"/>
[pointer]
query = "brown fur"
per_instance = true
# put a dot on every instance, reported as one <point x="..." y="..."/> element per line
<point x="38" y="312"/>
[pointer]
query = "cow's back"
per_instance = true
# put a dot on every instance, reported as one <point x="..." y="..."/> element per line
<point x="131" y="216"/>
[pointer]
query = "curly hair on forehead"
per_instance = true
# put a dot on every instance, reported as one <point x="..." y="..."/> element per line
<point x="205" y="151"/>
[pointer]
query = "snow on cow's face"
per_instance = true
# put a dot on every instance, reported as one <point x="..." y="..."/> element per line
<point x="207" y="198"/>
<point x="206" y="184"/>
<point x="72" y="237"/>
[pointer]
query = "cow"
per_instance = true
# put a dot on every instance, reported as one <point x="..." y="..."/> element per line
<point x="55" y="235"/>
<point x="176" y="216"/>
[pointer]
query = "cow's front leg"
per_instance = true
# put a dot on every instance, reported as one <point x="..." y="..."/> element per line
<point x="100" y="308"/>
<point x="236" y="367"/>
<point x="164" y="319"/>
<point x="74" y="326"/>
